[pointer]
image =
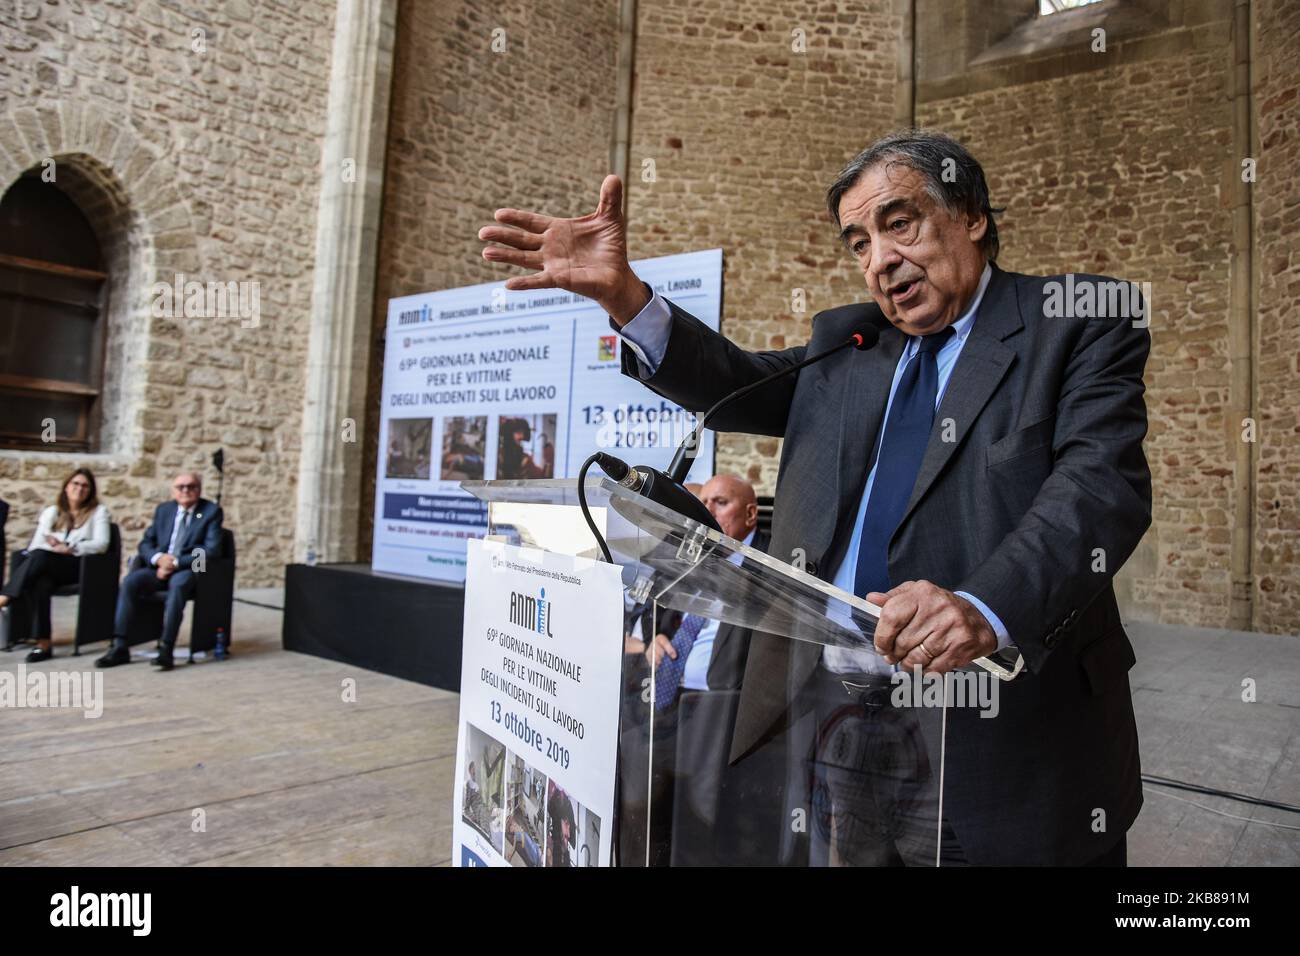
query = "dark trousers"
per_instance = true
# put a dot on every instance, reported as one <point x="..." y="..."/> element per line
<point x="645" y="794"/>
<point x="142" y="584"/>
<point x="874" y="796"/>
<point x="873" y="790"/>
<point x="35" y="581"/>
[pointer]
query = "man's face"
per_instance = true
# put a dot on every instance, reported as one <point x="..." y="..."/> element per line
<point x="921" y="265"/>
<point x="732" y="505"/>
<point x="185" y="490"/>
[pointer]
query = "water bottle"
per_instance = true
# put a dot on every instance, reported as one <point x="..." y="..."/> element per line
<point x="221" y="644"/>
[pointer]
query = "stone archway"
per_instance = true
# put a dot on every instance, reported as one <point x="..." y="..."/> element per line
<point x="124" y="185"/>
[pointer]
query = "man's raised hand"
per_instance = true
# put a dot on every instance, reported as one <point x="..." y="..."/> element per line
<point x="586" y="255"/>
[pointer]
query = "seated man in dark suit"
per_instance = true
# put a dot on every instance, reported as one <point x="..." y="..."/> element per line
<point x="699" y="664"/>
<point x="185" y="532"/>
<point x="715" y="653"/>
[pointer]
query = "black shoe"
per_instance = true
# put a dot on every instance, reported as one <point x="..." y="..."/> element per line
<point x="163" y="663"/>
<point x="38" y="655"/>
<point x="116" y="656"/>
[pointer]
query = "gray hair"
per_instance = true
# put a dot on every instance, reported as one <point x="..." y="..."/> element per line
<point x="953" y="177"/>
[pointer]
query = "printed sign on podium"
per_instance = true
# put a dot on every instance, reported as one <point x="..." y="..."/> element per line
<point x="536" y="753"/>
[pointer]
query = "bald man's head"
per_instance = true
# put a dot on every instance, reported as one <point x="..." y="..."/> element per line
<point x="733" y="504"/>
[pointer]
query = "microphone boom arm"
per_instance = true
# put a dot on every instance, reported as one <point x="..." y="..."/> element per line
<point x="685" y="455"/>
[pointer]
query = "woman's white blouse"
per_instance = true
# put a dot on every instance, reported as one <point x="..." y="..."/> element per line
<point x="90" y="538"/>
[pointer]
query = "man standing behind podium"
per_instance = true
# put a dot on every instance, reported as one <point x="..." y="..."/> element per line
<point x="979" y="474"/>
<point x="715" y="653"/>
<point x="184" y="531"/>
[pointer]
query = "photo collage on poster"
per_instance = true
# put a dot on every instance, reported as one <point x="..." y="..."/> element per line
<point x="482" y="384"/>
<point x="522" y="814"/>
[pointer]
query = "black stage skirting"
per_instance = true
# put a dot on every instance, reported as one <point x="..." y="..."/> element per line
<point x="395" y="625"/>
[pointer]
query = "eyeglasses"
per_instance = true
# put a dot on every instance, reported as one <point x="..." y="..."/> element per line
<point x="187" y="487"/>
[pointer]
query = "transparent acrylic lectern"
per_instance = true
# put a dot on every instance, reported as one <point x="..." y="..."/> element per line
<point x="843" y="758"/>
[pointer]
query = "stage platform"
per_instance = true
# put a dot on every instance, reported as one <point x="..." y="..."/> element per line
<point x="402" y="626"/>
<point x="292" y="775"/>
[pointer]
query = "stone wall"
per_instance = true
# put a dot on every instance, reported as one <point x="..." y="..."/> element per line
<point x="1277" y="270"/>
<point x="1135" y="190"/>
<point x="472" y="130"/>
<point x="192" y="133"/>
<point x="747" y="114"/>
<point x="1139" y="185"/>
<point x="199" y="153"/>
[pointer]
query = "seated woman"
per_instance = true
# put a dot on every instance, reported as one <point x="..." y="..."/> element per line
<point x="77" y="524"/>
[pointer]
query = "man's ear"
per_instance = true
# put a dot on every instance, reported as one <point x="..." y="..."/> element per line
<point x="977" y="226"/>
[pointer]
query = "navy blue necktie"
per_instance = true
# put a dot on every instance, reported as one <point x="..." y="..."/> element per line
<point x="906" y="433"/>
<point x="668" y="680"/>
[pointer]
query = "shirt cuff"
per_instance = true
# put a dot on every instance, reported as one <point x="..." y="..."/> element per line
<point x="154" y="559"/>
<point x="995" y="622"/>
<point x="647" y="334"/>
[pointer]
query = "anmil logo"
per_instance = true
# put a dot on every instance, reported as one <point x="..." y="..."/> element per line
<point x="607" y="350"/>
<point x="531" y="612"/>
<point x="414" y="316"/>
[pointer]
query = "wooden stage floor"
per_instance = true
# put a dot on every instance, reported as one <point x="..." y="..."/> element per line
<point x="284" y="771"/>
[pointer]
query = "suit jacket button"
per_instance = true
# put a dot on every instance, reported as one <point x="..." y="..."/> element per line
<point x="811" y="568"/>
<point x="1050" y="640"/>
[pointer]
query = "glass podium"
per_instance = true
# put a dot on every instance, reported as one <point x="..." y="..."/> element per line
<point x="757" y="724"/>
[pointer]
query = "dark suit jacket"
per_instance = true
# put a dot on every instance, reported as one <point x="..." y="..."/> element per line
<point x="731" y="644"/>
<point x="1046" y="468"/>
<point x="204" y="533"/>
<point x="4" y="517"/>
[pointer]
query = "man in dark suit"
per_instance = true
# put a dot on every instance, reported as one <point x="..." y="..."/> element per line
<point x="185" y="532"/>
<point x="978" y="475"/>
<point x="717" y="651"/>
<point x="699" y="665"/>
<point x="720" y="815"/>
<point x="4" y="517"/>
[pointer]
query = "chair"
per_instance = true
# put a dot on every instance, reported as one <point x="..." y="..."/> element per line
<point x="97" y="587"/>
<point x="214" y="601"/>
<point x="765" y="514"/>
<point x="724" y="814"/>
<point x="4" y="517"/>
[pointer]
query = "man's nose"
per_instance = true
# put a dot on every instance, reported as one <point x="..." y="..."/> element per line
<point x="885" y="257"/>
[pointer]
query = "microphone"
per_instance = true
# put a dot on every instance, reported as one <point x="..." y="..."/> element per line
<point x="666" y="488"/>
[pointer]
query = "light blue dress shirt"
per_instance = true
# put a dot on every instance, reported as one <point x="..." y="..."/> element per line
<point x="647" y="335"/>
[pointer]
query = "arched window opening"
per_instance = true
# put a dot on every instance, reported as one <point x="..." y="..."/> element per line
<point x="53" y="291"/>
